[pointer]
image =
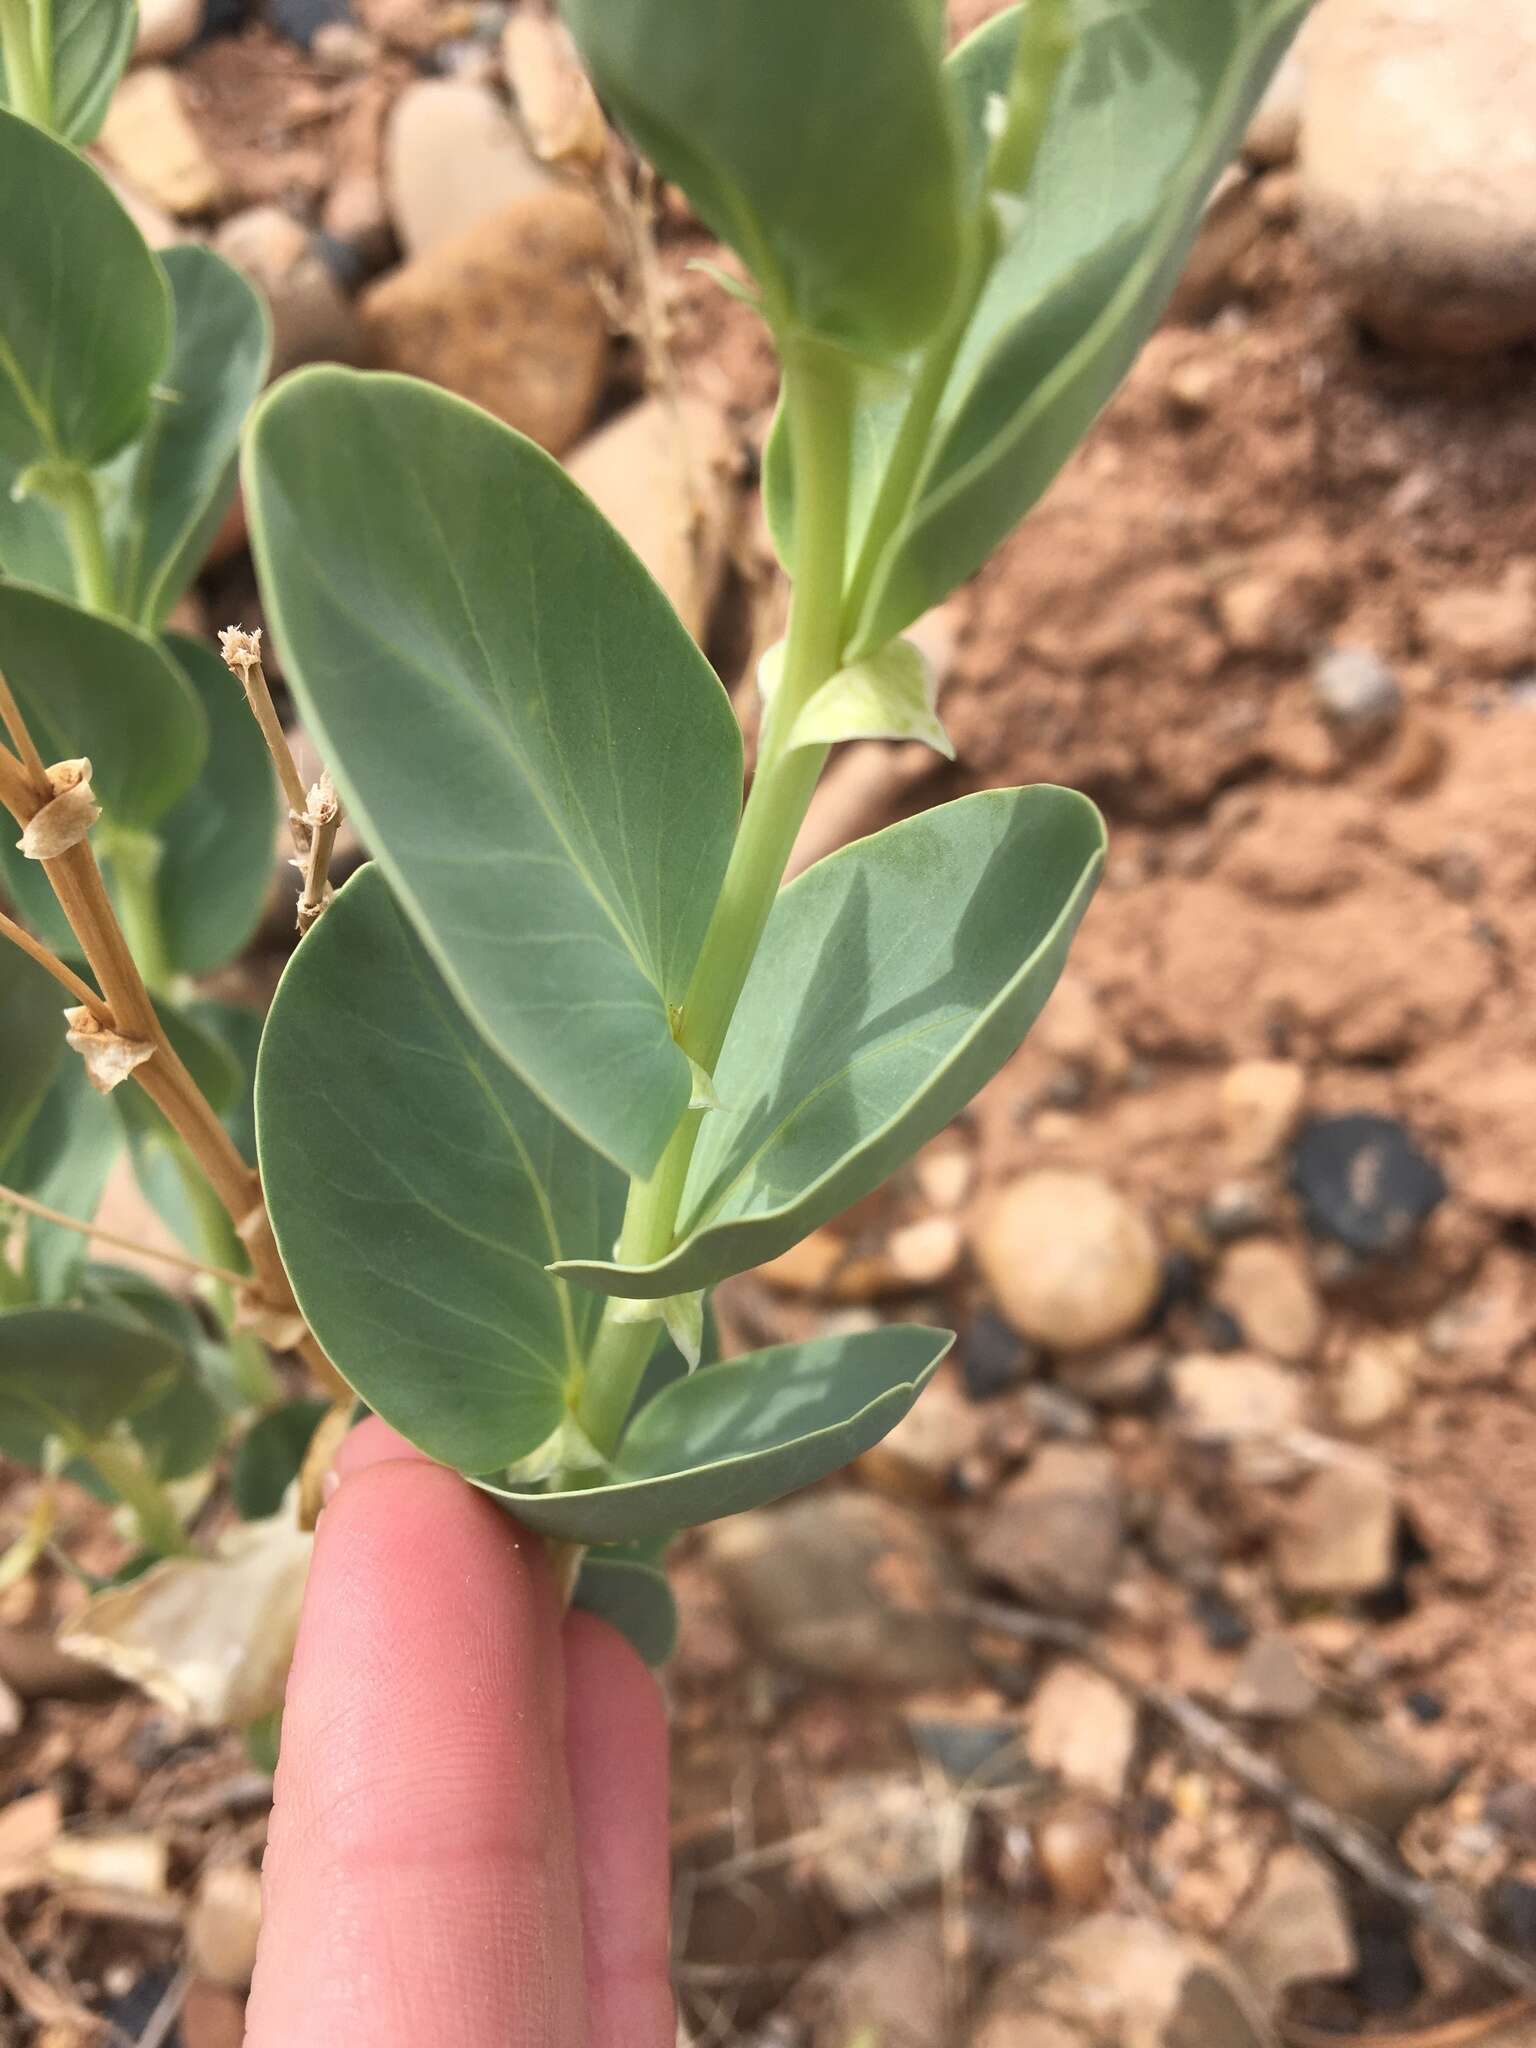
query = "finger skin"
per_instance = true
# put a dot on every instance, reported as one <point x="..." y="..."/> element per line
<point x="420" y="1883"/>
<point x="616" y="1738"/>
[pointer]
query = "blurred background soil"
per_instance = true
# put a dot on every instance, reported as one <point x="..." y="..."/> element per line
<point x="1169" y="1677"/>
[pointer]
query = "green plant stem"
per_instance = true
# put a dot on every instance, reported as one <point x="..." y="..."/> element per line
<point x="134" y="858"/>
<point x="30" y="90"/>
<point x="42" y="45"/>
<point x="87" y="538"/>
<point x="160" y="1526"/>
<point x="914" y="439"/>
<point x="818" y="397"/>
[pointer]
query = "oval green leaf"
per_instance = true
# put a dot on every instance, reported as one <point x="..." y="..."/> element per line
<point x="271" y="1455"/>
<point x="418" y="1192"/>
<point x="218" y="842"/>
<point x="812" y="137"/>
<point x="183" y="469"/>
<point x="545" y="765"/>
<point x="92" y="42"/>
<point x="63" y="1161"/>
<point x="633" y="1598"/>
<point x="894" y="978"/>
<point x="181" y="1429"/>
<point x="31" y="1046"/>
<point x="741" y="1434"/>
<point x="85" y="322"/>
<point x="1151" y="104"/>
<point x="74" y="1374"/>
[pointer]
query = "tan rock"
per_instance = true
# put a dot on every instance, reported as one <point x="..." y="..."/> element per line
<point x="1261" y="1104"/>
<point x="1075" y="1844"/>
<point x="883" y="1842"/>
<point x="918" y="1460"/>
<point x="1491" y="631"/>
<point x="165" y="28"/>
<point x="1069" y="1261"/>
<point x="1295" y="1929"/>
<point x="224" y="1923"/>
<point x="1418" y="162"/>
<point x="1125" y="1983"/>
<point x="1339" y="1535"/>
<point x="1271" y="1683"/>
<point x="148" y="137"/>
<point x="1356" y="1769"/>
<point x="554" y="96"/>
<point x="1054" y="1534"/>
<point x="845" y="1587"/>
<point x="1266" y="1286"/>
<point x="312" y="321"/>
<point x="886" y="1983"/>
<point x="1233" y="1402"/>
<point x="506" y="315"/>
<point x="669" y="478"/>
<point x="1375" y="1383"/>
<point x="1275" y="128"/>
<point x="1082" y="1729"/>
<point x="453" y="156"/>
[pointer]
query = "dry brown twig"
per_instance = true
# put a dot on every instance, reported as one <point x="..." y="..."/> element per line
<point x="1353" y="1845"/>
<point x="119" y="1033"/>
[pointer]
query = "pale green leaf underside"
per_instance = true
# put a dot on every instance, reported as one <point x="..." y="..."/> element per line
<point x="891" y="695"/>
<point x="63" y="1161"/>
<point x="545" y="765"/>
<point x="92" y="42"/>
<point x="812" y="137"/>
<point x="894" y="978"/>
<point x="742" y="1434"/>
<point x="1151" y="104"/>
<point x="85" y="322"/>
<point x="31" y="1045"/>
<point x="418" y="1191"/>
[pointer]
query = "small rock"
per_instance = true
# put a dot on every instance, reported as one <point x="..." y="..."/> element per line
<point x="1275" y="127"/>
<point x="341" y="49"/>
<point x="165" y="29"/>
<point x="667" y="476"/>
<point x="303" y="20"/>
<point x="886" y="1984"/>
<point x="312" y="322"/>
<point x="355" y="216"/>
<point x="1268" y="1289"/>
<point x="993" y="1360"/>
<point x="1356" y="1769"/>
<point x="1295" y="1929"/>
<point x="452" y="158"/>
<point x="1082" y="1729"/>
<point x="1271" y="1682"/>
<point x="945" y="1172"/>
<point x="1070" y="1262"/>
<point x="1416" y="168"/>
<point x="1364" y="1181"/>
<point x="149" y="138"/>
<point x="1074" y="1845"/>
<point x="1511" y="1808"/>
<point x="1339" y="1536"/>
<point x="1375" y="1383"/>
<point x="1491" y="631"/>
<point x="1056" y="1413"/>
<point x="1126" y="1983"/>
<point x="136" y="1863"/>
<point x="224" y="1923"/>
<point x="1237" y="1208"/>
<point x="1276" y="609"/>
<point x="12" y="1712"/>
<point x="1119" y="1378"/>
<point x="846" y="1587"/>
<point x="1231" y="1402"/>
<point x="919" y="1458"/>
<point x="1224" y="1626"/>
<point x="882" y="1843"/>
<point x="1357" y="692"/>
<point x="507" y="315"/>
<point x="1184" y="1540"/>
<point x="1054" y="1534"/>
<point x="559" y="108"/>
<point x="1261" y="1102"/>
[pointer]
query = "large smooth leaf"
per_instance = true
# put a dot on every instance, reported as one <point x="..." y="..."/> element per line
<point x="63" y="1161"/>
<point x="418" y="1192"/>
<point x="85" y="324"/>
<point x="91" y="686"/>
<point x="217" y="1042"/>
<point x="739" y="1435"/>
<point x="812" y="137"/>
<point x="218" y="841"/>
<point x="31" y="1045"/>
<point x="180" y="1431"/>
<point x="75" y="1374"/>
<point x="545" y="765"/>
<point x="271" y="1455"/>
<point x="92" y="42"/>
<point x="893" y="979"/>
<point x="34" y="544"/>
<point x="183" y="467"/>
<point x="1152" y="102"/>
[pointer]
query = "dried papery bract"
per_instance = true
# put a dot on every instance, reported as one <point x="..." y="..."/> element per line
<point x="66" y="818"/>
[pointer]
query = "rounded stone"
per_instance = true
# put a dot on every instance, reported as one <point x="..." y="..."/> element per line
<point x="1071" y="1263"/>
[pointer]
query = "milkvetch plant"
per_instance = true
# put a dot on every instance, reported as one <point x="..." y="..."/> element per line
<point x="567" y="1055"/>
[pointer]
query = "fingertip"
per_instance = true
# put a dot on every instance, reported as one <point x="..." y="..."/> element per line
<point x="373" y="1442"/>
